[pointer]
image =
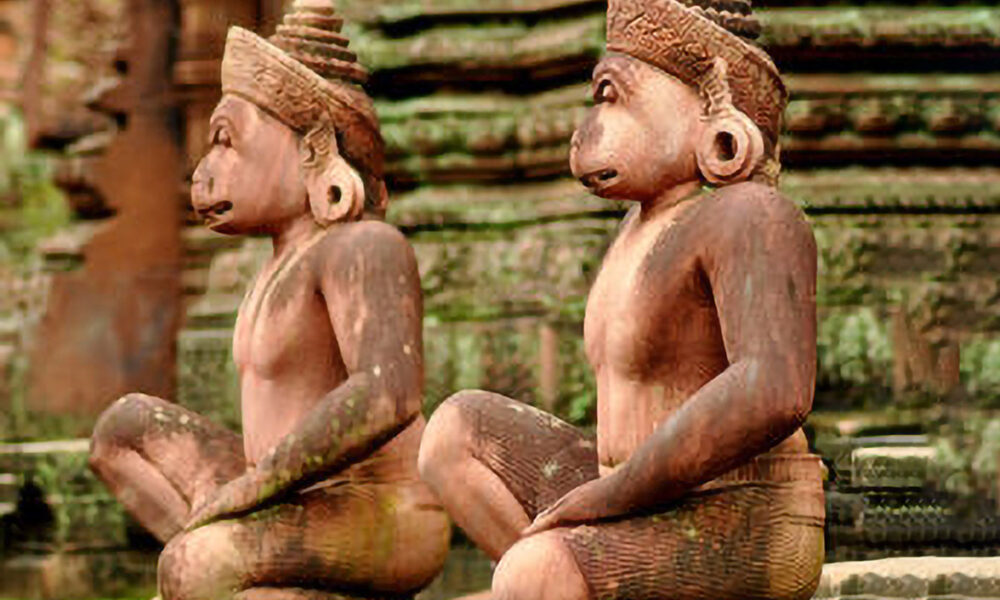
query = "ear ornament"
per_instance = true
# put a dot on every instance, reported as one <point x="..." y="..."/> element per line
<point x="731" y="146"/>
<point x="336" y="191"/>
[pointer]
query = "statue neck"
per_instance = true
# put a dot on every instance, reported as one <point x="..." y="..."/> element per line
<point x="290" y="235"/>
<point x="668" y="198"/>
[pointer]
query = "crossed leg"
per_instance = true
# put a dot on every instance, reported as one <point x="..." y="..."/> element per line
<point x="495" y="464"/>
<point x="159" y="459"/>
<point x="749" y="537"/>
<point x="365" y="539"/>
<point x="357" y="540"/>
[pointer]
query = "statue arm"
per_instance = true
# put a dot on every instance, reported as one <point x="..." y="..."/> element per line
<point x="371" y="288"/>
<point x="760" y="261"/>
<point x="761" y="267"/>
<point x="372" y="292"/>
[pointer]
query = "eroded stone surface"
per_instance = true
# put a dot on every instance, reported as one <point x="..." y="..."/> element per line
<point x="918" y="577"/>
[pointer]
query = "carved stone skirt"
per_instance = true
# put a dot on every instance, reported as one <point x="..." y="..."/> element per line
<point x="755" y="532"/>
<point x="745" y="540"/>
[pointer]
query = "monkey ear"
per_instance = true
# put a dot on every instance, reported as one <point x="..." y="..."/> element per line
<point x="336" y="192"/>
<point x="730" y="148"/>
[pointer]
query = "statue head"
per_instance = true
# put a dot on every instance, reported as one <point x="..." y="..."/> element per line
<point x="293" y="133"/>
<point x="683" y="95"/>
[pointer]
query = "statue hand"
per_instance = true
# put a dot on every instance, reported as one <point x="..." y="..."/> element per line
<point x="588" y="502"/>
<point x="237" y="496"/>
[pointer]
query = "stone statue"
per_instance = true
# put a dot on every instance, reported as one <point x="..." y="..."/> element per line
<point x="701" y="332"/>
<point x="320" y="496"/>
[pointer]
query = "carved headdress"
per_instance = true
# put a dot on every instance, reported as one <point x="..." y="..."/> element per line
<point x="306" y="77"/>
<point x="686" y="38"/>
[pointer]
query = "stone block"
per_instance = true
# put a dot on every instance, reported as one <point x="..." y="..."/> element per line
<point x="927" y="577"/>
<point x="892" y="467"/>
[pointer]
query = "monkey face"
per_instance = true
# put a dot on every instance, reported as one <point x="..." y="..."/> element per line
<point x="250" y="181"/>
<point x="639" y="138"/>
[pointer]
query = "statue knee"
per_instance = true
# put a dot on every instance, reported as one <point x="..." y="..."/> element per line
<point x="201" y="564"/>
<point x="121" y="425"/>
<point x="446" y="439"/>
<point x="540" y="567"/>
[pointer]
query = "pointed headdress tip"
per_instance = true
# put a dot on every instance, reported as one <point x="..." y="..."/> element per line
<point x="684" y="37"/>
<point x="311" y="34"/>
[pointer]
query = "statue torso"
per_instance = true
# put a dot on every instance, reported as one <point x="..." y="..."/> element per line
<point x="652" y="333"/>
<point x="287" y="353"/>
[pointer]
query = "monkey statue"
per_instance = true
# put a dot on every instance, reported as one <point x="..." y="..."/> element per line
<point x="320" y="497"/>
<point x="700" y="329"/>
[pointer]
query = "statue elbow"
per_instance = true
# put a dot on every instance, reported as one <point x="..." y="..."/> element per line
<point x="799" y="405"/>
<point x="787" y="394"/>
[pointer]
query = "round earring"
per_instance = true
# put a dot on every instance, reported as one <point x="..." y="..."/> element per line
<point x="729" y="149"/>
<point x="336" y="194"/>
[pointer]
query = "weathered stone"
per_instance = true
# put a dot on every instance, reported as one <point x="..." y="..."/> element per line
<point x="892" y="467"/>
<point x="493" y="135"/>
<point x="109" y="326"/>
<point x="881" y="26"/>
<point x="207" y="381"/>
<point x="920" y="577"/>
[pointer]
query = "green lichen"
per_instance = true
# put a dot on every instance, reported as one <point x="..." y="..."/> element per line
<point x="31" y="206"/>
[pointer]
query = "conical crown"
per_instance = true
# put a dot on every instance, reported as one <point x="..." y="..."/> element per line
<point x="311" y="34"/>
<point x="686" y="37"/>
<point x="736" y="16"/>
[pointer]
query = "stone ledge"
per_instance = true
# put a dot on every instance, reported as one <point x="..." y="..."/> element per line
<point x="911" y="578"/>
<point x="69" y="576"/>
<point x="892" y="466"/>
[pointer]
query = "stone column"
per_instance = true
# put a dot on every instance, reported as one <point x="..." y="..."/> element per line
<point x="110" y="325"/>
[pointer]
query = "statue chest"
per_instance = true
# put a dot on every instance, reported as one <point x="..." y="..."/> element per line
<point x="283" y="327"/>
<point x="650" y="304"/>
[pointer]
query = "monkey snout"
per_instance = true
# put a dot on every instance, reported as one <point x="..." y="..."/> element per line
<point x="594" y="179"/>
<point x="218" y="208"/>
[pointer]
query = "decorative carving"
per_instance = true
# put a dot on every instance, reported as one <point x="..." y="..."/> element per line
<point x="442" y="138"/>
<point x="501" y="49"/>
<point x="321" y="490"/>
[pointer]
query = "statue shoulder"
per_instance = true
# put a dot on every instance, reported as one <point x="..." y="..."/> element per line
<point x="754" y="205"/>
<point x="755" y="211"/>
<point x="750" y="197"/>
<point x="374" y="244"/>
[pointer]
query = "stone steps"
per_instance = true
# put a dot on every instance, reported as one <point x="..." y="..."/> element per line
<point x="888" y="498"/>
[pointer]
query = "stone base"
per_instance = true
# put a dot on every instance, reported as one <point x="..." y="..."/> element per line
<point x="929" y="577"/>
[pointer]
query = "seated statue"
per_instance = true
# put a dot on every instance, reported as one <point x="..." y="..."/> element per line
<point x="320" y="497"/>
<point x="701" y="332"/>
